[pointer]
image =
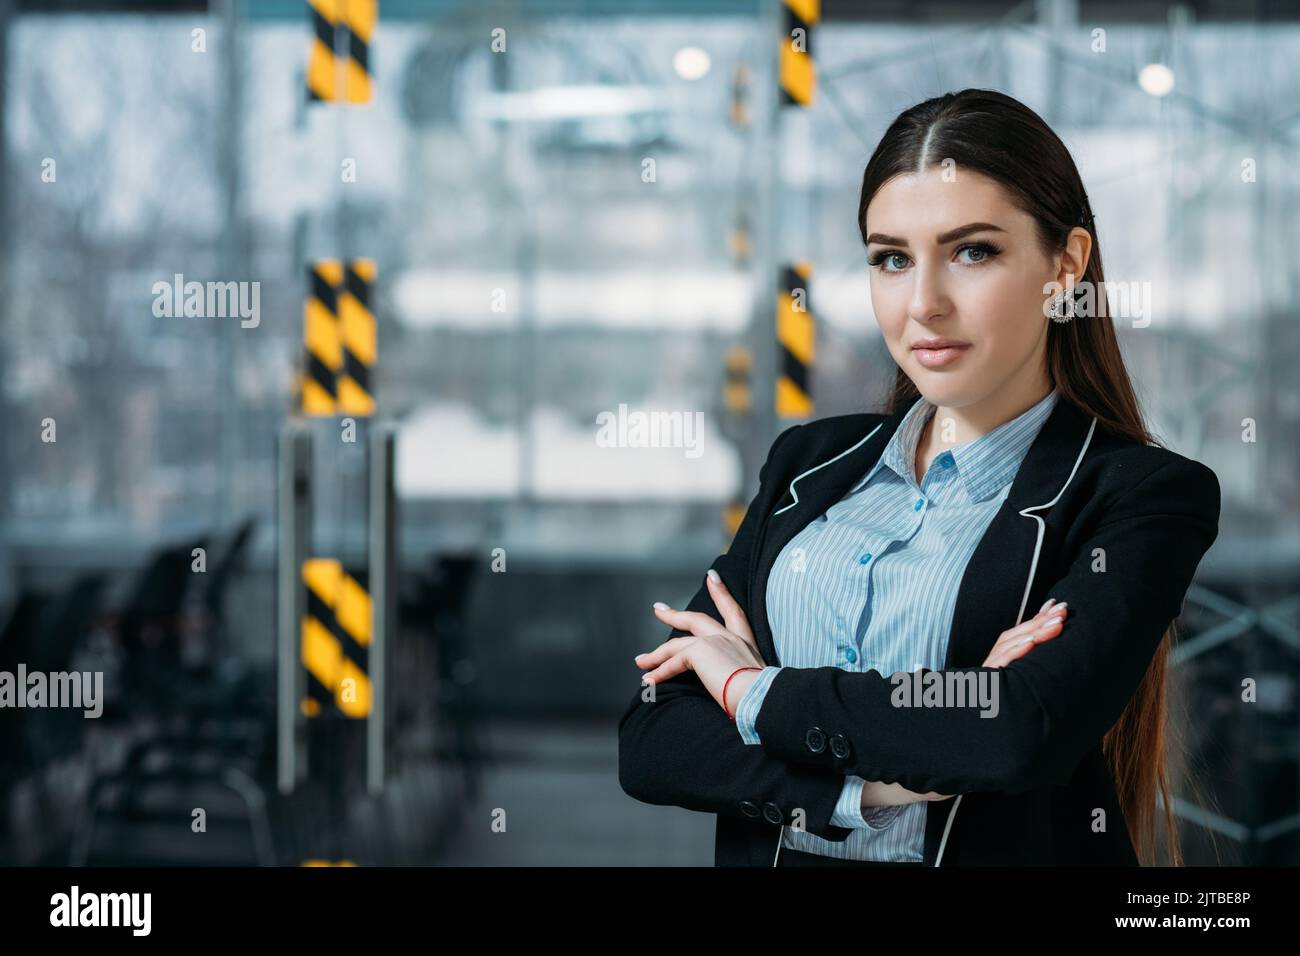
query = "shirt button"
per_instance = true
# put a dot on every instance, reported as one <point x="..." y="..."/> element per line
<point x="919" y="503"/>
<point x="946" y="460"/>
<point x="851" y="655"/>
<point x="865" y="558"/>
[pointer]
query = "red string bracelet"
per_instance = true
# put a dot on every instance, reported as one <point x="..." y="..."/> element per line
<point x="724" y="687"/>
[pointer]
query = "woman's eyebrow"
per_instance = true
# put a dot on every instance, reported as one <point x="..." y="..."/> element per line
<point x="950" y="236"/>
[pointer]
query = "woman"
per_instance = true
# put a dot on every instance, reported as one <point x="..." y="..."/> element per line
<point x="857" y="682"/>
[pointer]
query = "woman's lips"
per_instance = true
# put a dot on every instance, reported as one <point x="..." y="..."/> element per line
<point x="938" y="358"/>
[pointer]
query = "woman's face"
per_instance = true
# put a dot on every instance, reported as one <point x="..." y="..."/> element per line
<point x="958" y="260"/>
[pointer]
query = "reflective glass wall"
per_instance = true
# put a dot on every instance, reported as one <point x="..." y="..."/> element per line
<point x="576" y="214"/>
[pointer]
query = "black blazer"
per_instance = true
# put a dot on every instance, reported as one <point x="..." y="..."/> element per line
<point x="1027" y="781"/>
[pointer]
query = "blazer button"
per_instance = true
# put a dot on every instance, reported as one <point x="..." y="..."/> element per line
<point x="816" y="740"/>
<point x="773" y="813"/>
<point x="749" y="809"/>
<point x="840" y="746"/>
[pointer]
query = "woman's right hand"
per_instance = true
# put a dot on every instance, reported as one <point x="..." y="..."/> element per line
<point x="1018" y="641"/>
<point x="876" y="794"/>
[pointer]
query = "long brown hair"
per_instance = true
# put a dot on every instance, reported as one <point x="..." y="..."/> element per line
<point x="988" y="132"/>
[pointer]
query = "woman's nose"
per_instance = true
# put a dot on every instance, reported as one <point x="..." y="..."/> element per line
<point x="929" y="298"/>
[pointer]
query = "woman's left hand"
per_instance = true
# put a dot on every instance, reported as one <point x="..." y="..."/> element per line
<point x="712" y="650"/>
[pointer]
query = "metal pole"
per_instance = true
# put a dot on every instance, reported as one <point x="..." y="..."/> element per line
<point x="294" y="503"/>
<point x="383" y="591"/>
<point x="1058" y="18"/>
<point x="8" y="459"/>
<point x="232" y="258"/>
<point x="766" y="249"/>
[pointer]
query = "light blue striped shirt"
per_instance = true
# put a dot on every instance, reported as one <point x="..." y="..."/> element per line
<point x="871" y="585"/>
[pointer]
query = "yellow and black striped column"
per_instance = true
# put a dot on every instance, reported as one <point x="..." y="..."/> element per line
<point x="740" y="241"/>
<point x="795" y="335"/>
<point x="359" y="21"/>
<point x="797" y="78"/>
<point x="338" y="59"/>
<point x="739" y="113"/>
<point x="322" y="338"/>
<point x="336" y="640"/>
<point x="796" y="71"/>
<point x="738" y="396"/>
<point x="357" y="327"/>
<point x="322" y="64"/>
<point x="737" y="390"/>
<point x="339" y="339"/>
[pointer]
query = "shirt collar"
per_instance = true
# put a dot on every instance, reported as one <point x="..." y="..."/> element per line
<point x="984" y="464"/>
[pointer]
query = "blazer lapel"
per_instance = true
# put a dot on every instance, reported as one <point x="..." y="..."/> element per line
<point x="999" y="576"/>
<point x="808" y="495"/>
<point x="995" y="580"/>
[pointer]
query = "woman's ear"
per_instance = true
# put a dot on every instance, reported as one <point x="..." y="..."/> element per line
<point x="1074" y="258"/>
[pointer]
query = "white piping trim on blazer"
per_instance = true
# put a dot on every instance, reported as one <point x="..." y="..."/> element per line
<point x="1029" y="583"/>
<point x="795" y="494"/>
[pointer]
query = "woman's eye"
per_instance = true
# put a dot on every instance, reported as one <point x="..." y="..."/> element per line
<point x="980" y="251"/>
<point x="882" y="258"/>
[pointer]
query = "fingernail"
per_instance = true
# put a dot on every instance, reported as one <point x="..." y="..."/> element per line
<point x="1024" y="642"/>
<point x="660" y="606"/>
<point x="1046" y="605"/>
<point x="713" y="576"/>
<point x="1060" y="608"/>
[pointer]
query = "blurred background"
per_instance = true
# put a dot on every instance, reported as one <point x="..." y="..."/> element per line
<point x="362" y="573"/>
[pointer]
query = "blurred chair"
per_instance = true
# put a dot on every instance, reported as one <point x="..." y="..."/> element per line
<point x="44" y="634"/>
<point x="441" y="606"/>
<point x="200" y="723"/>
<point x="220" y="575"/>
<point x="143" y="813"/>
<point x="53" y="733"/>
<point x="149" y="626"/>
<point x="16" y="639"/>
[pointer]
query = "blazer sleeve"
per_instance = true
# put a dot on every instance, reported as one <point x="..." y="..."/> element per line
<point x="680" y="749"/>
<point x="1054" y="703"/>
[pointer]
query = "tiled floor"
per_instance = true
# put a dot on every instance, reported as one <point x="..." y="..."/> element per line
<point x="558" y="787"/>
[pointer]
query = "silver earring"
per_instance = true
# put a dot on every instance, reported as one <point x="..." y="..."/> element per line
<point x="1062" y="309"/>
